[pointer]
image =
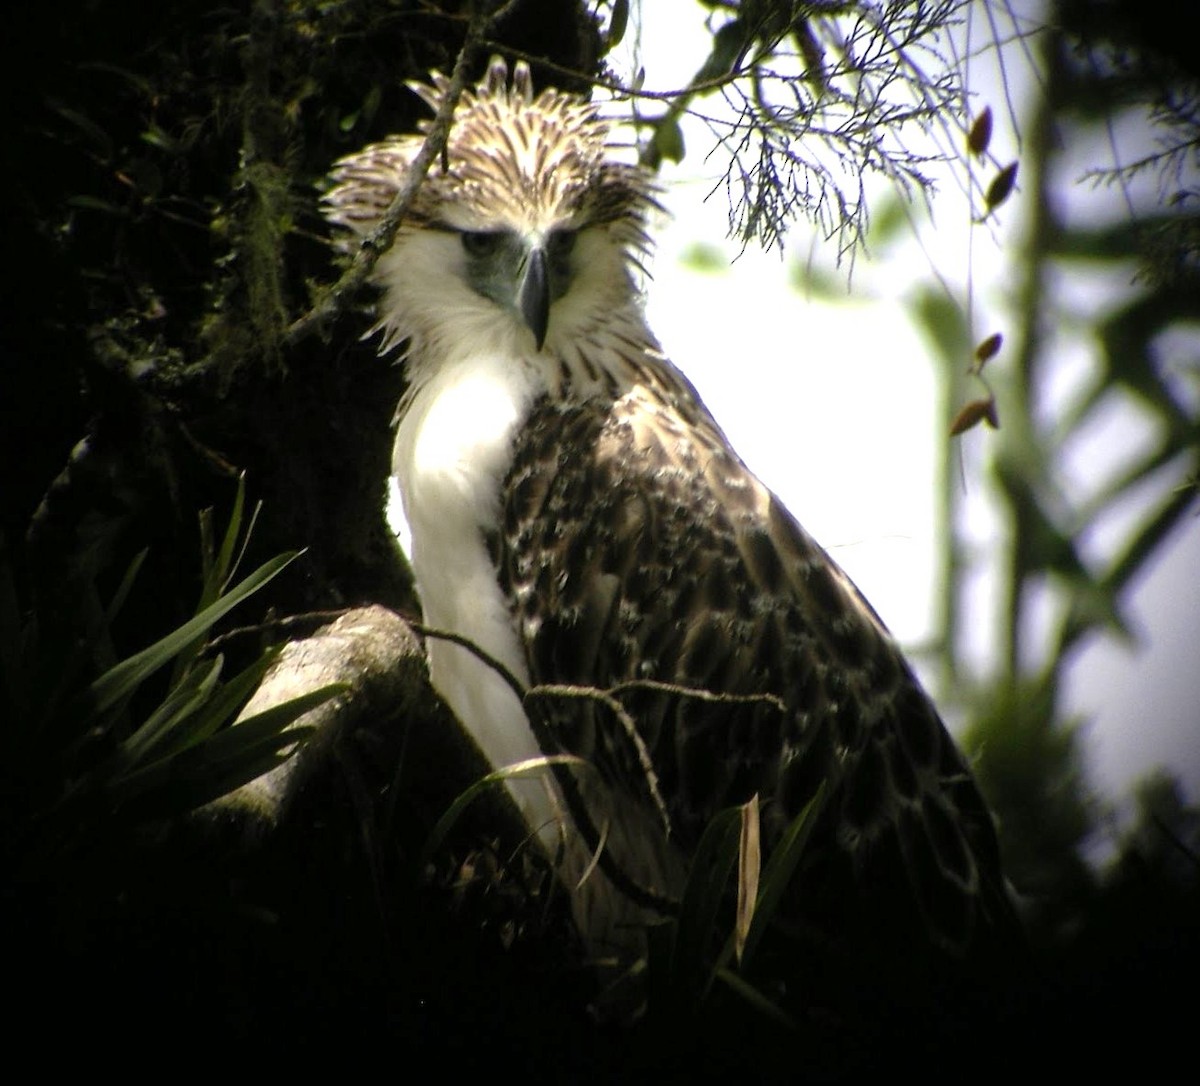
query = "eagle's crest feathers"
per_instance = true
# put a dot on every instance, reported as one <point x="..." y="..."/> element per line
<point x="524" y="160"/>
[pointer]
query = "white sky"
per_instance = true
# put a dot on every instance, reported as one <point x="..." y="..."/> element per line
<point x="833" y="406"/>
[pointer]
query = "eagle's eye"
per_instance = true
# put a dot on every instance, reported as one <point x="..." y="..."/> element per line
<point x="481" y="242"/>
<point x="561" y="243"/>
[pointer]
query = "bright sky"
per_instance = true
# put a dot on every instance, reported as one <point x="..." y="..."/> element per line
<point x="833" y="406"/>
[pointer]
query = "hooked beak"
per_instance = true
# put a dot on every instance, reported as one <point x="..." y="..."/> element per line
<point x="533" y="294"/>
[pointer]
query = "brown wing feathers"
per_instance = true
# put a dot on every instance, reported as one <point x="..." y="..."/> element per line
<point x="650" y="552"/>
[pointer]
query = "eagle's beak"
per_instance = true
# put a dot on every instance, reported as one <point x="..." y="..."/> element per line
<point x="533" y="294"/>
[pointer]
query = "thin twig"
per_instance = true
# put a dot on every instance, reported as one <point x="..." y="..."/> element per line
<point x="380" y="239"/>
<point x="274" y="625"/>
<point x="485" y="657"/>
<point x="697" y="693"/>
<point x="606" y="698"/>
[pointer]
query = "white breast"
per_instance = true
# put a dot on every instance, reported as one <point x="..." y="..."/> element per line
<point x="453" y="450"/>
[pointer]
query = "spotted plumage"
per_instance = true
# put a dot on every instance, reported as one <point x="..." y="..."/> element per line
<point x="578" y="514"/>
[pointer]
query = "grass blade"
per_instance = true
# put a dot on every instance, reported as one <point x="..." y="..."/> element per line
<point x="180" y="703"/>
<point x="120" y="681"/>
<point x="703" y="894"/>
<point x="462" y="801"/>
<point x="781" y="866"/>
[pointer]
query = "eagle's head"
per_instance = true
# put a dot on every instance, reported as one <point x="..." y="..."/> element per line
<point x="524" y="231"/>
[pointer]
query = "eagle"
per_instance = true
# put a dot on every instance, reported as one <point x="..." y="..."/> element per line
<point x="629" y="606"/>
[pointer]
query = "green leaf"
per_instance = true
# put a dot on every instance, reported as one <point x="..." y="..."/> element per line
<point x="1001" y="186"/>
<point x="617" y="24"/>
<point x="157" y="137"/>
<point x="219" y="568"/>
<point x="729" y="44"/>
<point x="889" y="220"/>
<point x="817" y="282"/>
<point x="980" y="135"/>
<point x="223" y="705"/>
<point x="1095" y="604"/>
<point x="668" y="139"/>
<point x="101" y="142"/>
<point x="372" y="102"/>
<point x="94" y="203"/>
<point x="119" y="682"/>
<point x="122" y="593"/>
<point x="182" y="701"/>
<point x="139" y="83"/>
<point x="708" y="879"/>
<point x="204" y="716"/>
<point x="527" y="768"/>
<point x="941" y="320"/>
<point x="754" y="997"/>
<point x="191" y="778"/>
<point x="253" y="729"/>
<point x="233" y="757"/>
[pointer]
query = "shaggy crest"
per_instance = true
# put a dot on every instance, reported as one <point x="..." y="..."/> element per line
<point x="527" y="161"/>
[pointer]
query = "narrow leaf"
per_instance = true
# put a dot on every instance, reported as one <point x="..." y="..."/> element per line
<point x="122" y="593"/>
<point x="219" y="565"/>
<point x="988" y="349"/>
<point x="1001" y="187"/>
<point x="668" y="139"/>
<point x="191" y="778"/>
<point x="102" y="143"/>
<point x="237" y="753"/>
<point x="121" y="680"/>
<point x="970" y="416"/>
<point x="93" y="203"/>
<point x="707" y="880"/>
<point x="225" y="561"/>
<point x="749" y="865"/>
<point x="755" y="998"/>
<point x="618" y="23"/>
<point x="220" y="708"/>
<point x="178" y="704"/>
<point x="269" y="722"/>
<point x="517" y="770"/>
<point x="980" y="135"/>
